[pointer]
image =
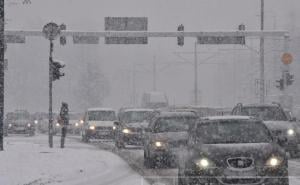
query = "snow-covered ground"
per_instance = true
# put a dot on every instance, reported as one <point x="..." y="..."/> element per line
<point x="29" y="161"/>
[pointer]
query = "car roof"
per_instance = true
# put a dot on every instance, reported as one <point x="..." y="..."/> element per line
<point x="229" y="117"/>
<point x="261" y="105"/>
<point x="138" y="110"/>
<point x="100" y="109"/>
<point x="176" y="114"/>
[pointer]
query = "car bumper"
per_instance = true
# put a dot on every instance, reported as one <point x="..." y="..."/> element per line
<point x="132" y="139"/>
<point x="170" y="155"/>
<point x="100" y="134"/>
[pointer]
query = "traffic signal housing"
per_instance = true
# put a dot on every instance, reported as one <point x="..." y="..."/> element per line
<point x="56" y="73"/>
<point x="289" y="79"/>
<point x="280" y="84"/>
<point x="180" y="39"/>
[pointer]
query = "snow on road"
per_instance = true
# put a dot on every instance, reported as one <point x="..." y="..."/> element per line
<point x="29" y="161"/>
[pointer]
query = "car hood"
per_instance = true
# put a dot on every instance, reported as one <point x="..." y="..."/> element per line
<point x="279" y="125"/>
<point x="137" y="125"/>
<point x="102" y="123"/>
<point x="170" y="136"/>
<point x="254" y="150"/>
<point x="20" y="122"/>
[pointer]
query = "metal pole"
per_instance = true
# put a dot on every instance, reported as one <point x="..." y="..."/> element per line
<point x="133" y="84"/>
<point x="2" y="43"/>
<point x="262" y="56"/>
<point x="154" y="73"/>
<point x="196" y="76"/>
<point x="285" y="67"/>
<point x="50" y="96"/>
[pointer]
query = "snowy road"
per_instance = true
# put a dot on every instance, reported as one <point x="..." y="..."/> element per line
<point x="135" y="158"/>
<point x="28" y="161"/>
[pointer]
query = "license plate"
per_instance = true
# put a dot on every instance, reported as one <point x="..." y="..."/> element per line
<point x="240" y="173"/>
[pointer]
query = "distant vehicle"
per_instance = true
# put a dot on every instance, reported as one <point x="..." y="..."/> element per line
<point x="165" y="135"/>
<point x="98" y="124"/>
<point x="131" y="126"/>
<point x="233" y="150"/>
<point x="277" y="121"/>
<point x="198" y="110"/>
<point x="154" y="100"/>
<point x="19" y="122"/>
<point x="74" y="126"/>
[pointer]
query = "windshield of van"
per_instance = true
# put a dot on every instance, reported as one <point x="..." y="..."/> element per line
<point x="173" y="124"/>
<point x="102" y="116"/>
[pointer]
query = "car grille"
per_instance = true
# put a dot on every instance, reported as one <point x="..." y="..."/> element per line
<point x="134" y="129"/>
<point x="176" y="144"/>
<point x="240" y="162"/>
<point x="104" y="128"/>
<point x="241" y="181"/>
<point x="277" y="132"/>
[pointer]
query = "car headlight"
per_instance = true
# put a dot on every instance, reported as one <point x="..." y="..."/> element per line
<point x="160" y="144"/>
<point x="92" y="127"/>
<point x="9" y="125"/>
<point x="76" y="124"/>
<point x="274" y="161"/>
<point x="114" y="127"/>
<point x="57" y="124"/>
<point x="36" y="121"/>
<point x="81" y="121"/>
<point x="28" y="125"/>
<point x="290" y="132"/>
<point x="126" y="131"/>
<point x="203" y="163"/>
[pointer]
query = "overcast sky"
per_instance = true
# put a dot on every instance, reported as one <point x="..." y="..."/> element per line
<point x="27" y="75"/>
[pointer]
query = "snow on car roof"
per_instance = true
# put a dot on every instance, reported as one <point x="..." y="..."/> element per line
<point x="229" y="117"/>
<point x="176" y="114"/>
<point x="138" y="110"/>
<point x="100" y="109"/>
<point x="260" y="105"/>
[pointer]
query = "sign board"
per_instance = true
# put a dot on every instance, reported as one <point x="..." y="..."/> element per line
<point x="287" y="58"/>
<point x="222" y="40"/>
<point x="15" y="39"/>
<point x="126" y="24"/>
<point x="85" y="39"/>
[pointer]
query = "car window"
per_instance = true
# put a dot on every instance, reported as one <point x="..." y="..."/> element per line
<point x="232" y="131"/>
<point x="101" y="116"/>
<point x="173" y="124"/>
<point x="265" y="113"/>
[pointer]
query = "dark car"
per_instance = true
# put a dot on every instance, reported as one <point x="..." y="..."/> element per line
<point x="233" y="150"/>
<point x="131" y="126"/>
<point x="166" y="134"/>
<point x="19" y="122"/>
<point x="277" y="121"/>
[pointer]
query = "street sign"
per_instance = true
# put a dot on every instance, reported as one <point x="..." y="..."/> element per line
<point x="85" y="39"/>
<point x="126" y="24"/>
<point x="287" y="58"/>
<point x="51" y="31"/>
<point x="222" y="40"/>
<point x="15" y="39"/>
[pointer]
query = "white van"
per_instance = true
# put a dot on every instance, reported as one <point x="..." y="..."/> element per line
<point x="98" y="124"/>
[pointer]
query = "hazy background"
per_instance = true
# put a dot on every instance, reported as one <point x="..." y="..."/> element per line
<point x="227" y="78"/>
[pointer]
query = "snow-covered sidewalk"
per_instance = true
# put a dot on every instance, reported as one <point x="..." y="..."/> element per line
<point x="29" y="161"/>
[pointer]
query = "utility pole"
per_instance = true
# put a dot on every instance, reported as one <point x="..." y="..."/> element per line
<point x="154" y="73"/>
<point x="50" y="95"/>
<point x="2" y="45"/>
<point x="196" y="75"/>
<point x="262" y="55"/>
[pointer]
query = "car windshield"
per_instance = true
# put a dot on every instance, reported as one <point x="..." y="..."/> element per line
<point x="135" y="116"/>
<point x="232" y="131"/>
<point x="265" y="113"/>
<point x="173" y="124"/>
<point x="102" y="116"/>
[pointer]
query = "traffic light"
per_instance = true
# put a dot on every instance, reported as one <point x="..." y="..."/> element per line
<point x="289" y="79"/>
<point x="280" y="84"/>
<point x="180" y="39"/>
<point x="63" y="39"/>
<point x="56" y="74"/>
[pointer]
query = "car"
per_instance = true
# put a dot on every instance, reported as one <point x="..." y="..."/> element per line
<point x="98" y="124"/>
<point x="277" y="121"/>
<point x="19" y="122"/>
<point x="130" y="128"/>
<point x="165" y="135"/>
<point x="232" y="150"/>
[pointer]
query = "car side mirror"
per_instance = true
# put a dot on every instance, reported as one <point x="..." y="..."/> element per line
<point x="116" y="123"/>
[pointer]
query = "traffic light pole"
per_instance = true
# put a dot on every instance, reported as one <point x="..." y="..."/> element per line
<point x="262" y="57"/>
<point x="196" y="75"/>
<point x="2" y="43"/>
<point x="50" y="95"/>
